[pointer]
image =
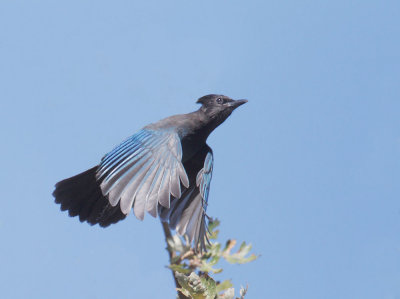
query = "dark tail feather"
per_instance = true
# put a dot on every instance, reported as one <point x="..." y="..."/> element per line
<point x="81" y="195"/>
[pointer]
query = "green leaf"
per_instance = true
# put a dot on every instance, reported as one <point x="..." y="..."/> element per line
<point x="240" y="256"/>
<point x="191" y="285"/>
<point x="210" y="286"/>
<point x="213" y="233"/>
<point x="224" y="286"/>
<point x="184" y="292"/>
<point x="176" y="244"/>
<point x="215" y="249"/>
<point x="207" y="267"/>
<point x="192" y="269"/>
<point x="214" y="223"/>
<point x="228" y="246"/>
<point x="229" y="294"/>
<point x="197" y="287"/>
<point x="180" y="268"/>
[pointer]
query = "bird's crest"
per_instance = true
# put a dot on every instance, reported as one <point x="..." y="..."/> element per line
<point x="206" y="98"/>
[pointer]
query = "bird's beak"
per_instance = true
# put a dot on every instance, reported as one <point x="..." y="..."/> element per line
<point x="237" y="103"/>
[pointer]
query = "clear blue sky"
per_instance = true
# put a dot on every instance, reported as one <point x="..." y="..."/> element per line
<point x="308" y="171"/>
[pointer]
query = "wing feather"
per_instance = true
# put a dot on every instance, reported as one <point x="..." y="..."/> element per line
<point x="129" y="193"/>
<point x="163" y="195"/>
<point x="117" y="188"/>
<point x="146" y="169"/>
<point x="118" y="154"/>
<point x="152" y="197"/>
<point x="188" y="214"/>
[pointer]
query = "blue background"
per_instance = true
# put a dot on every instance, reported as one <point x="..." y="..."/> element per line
<point x="308" y="171"/>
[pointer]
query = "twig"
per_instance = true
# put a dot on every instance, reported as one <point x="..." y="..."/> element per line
<point x="171" y="253"/>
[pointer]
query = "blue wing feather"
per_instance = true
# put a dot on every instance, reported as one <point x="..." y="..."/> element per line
<point x="143" y="171"/>
<point x="188" y="214"/>
<point x="127" y="147"/>
<point x="204" y="177"/>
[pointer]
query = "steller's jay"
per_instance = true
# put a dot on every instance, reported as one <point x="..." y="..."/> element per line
<point x="163" y="169"/>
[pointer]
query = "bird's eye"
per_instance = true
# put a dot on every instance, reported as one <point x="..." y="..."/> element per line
<point x="220" y="101"/>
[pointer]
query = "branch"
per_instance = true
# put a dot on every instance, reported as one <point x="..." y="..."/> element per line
<point x="193" y="271"/>
<point x="171" y="253"/>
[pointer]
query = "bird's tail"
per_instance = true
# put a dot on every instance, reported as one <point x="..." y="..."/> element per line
<point x="81" y="195"/>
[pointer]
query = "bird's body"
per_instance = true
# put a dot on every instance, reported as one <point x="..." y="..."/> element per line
<point x="164" y="169"/>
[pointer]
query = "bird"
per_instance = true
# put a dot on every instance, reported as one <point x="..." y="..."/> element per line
<point x="164" y="169"/>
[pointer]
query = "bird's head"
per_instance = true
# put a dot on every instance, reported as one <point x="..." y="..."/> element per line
<point x="218" y="107"/>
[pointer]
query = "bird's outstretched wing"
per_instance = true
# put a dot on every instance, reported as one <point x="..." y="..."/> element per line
<point x="188" y="214"/>
<point x="143" y="172"/>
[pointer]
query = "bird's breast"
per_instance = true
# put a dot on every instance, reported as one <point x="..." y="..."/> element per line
<point x="190" y="146"/>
